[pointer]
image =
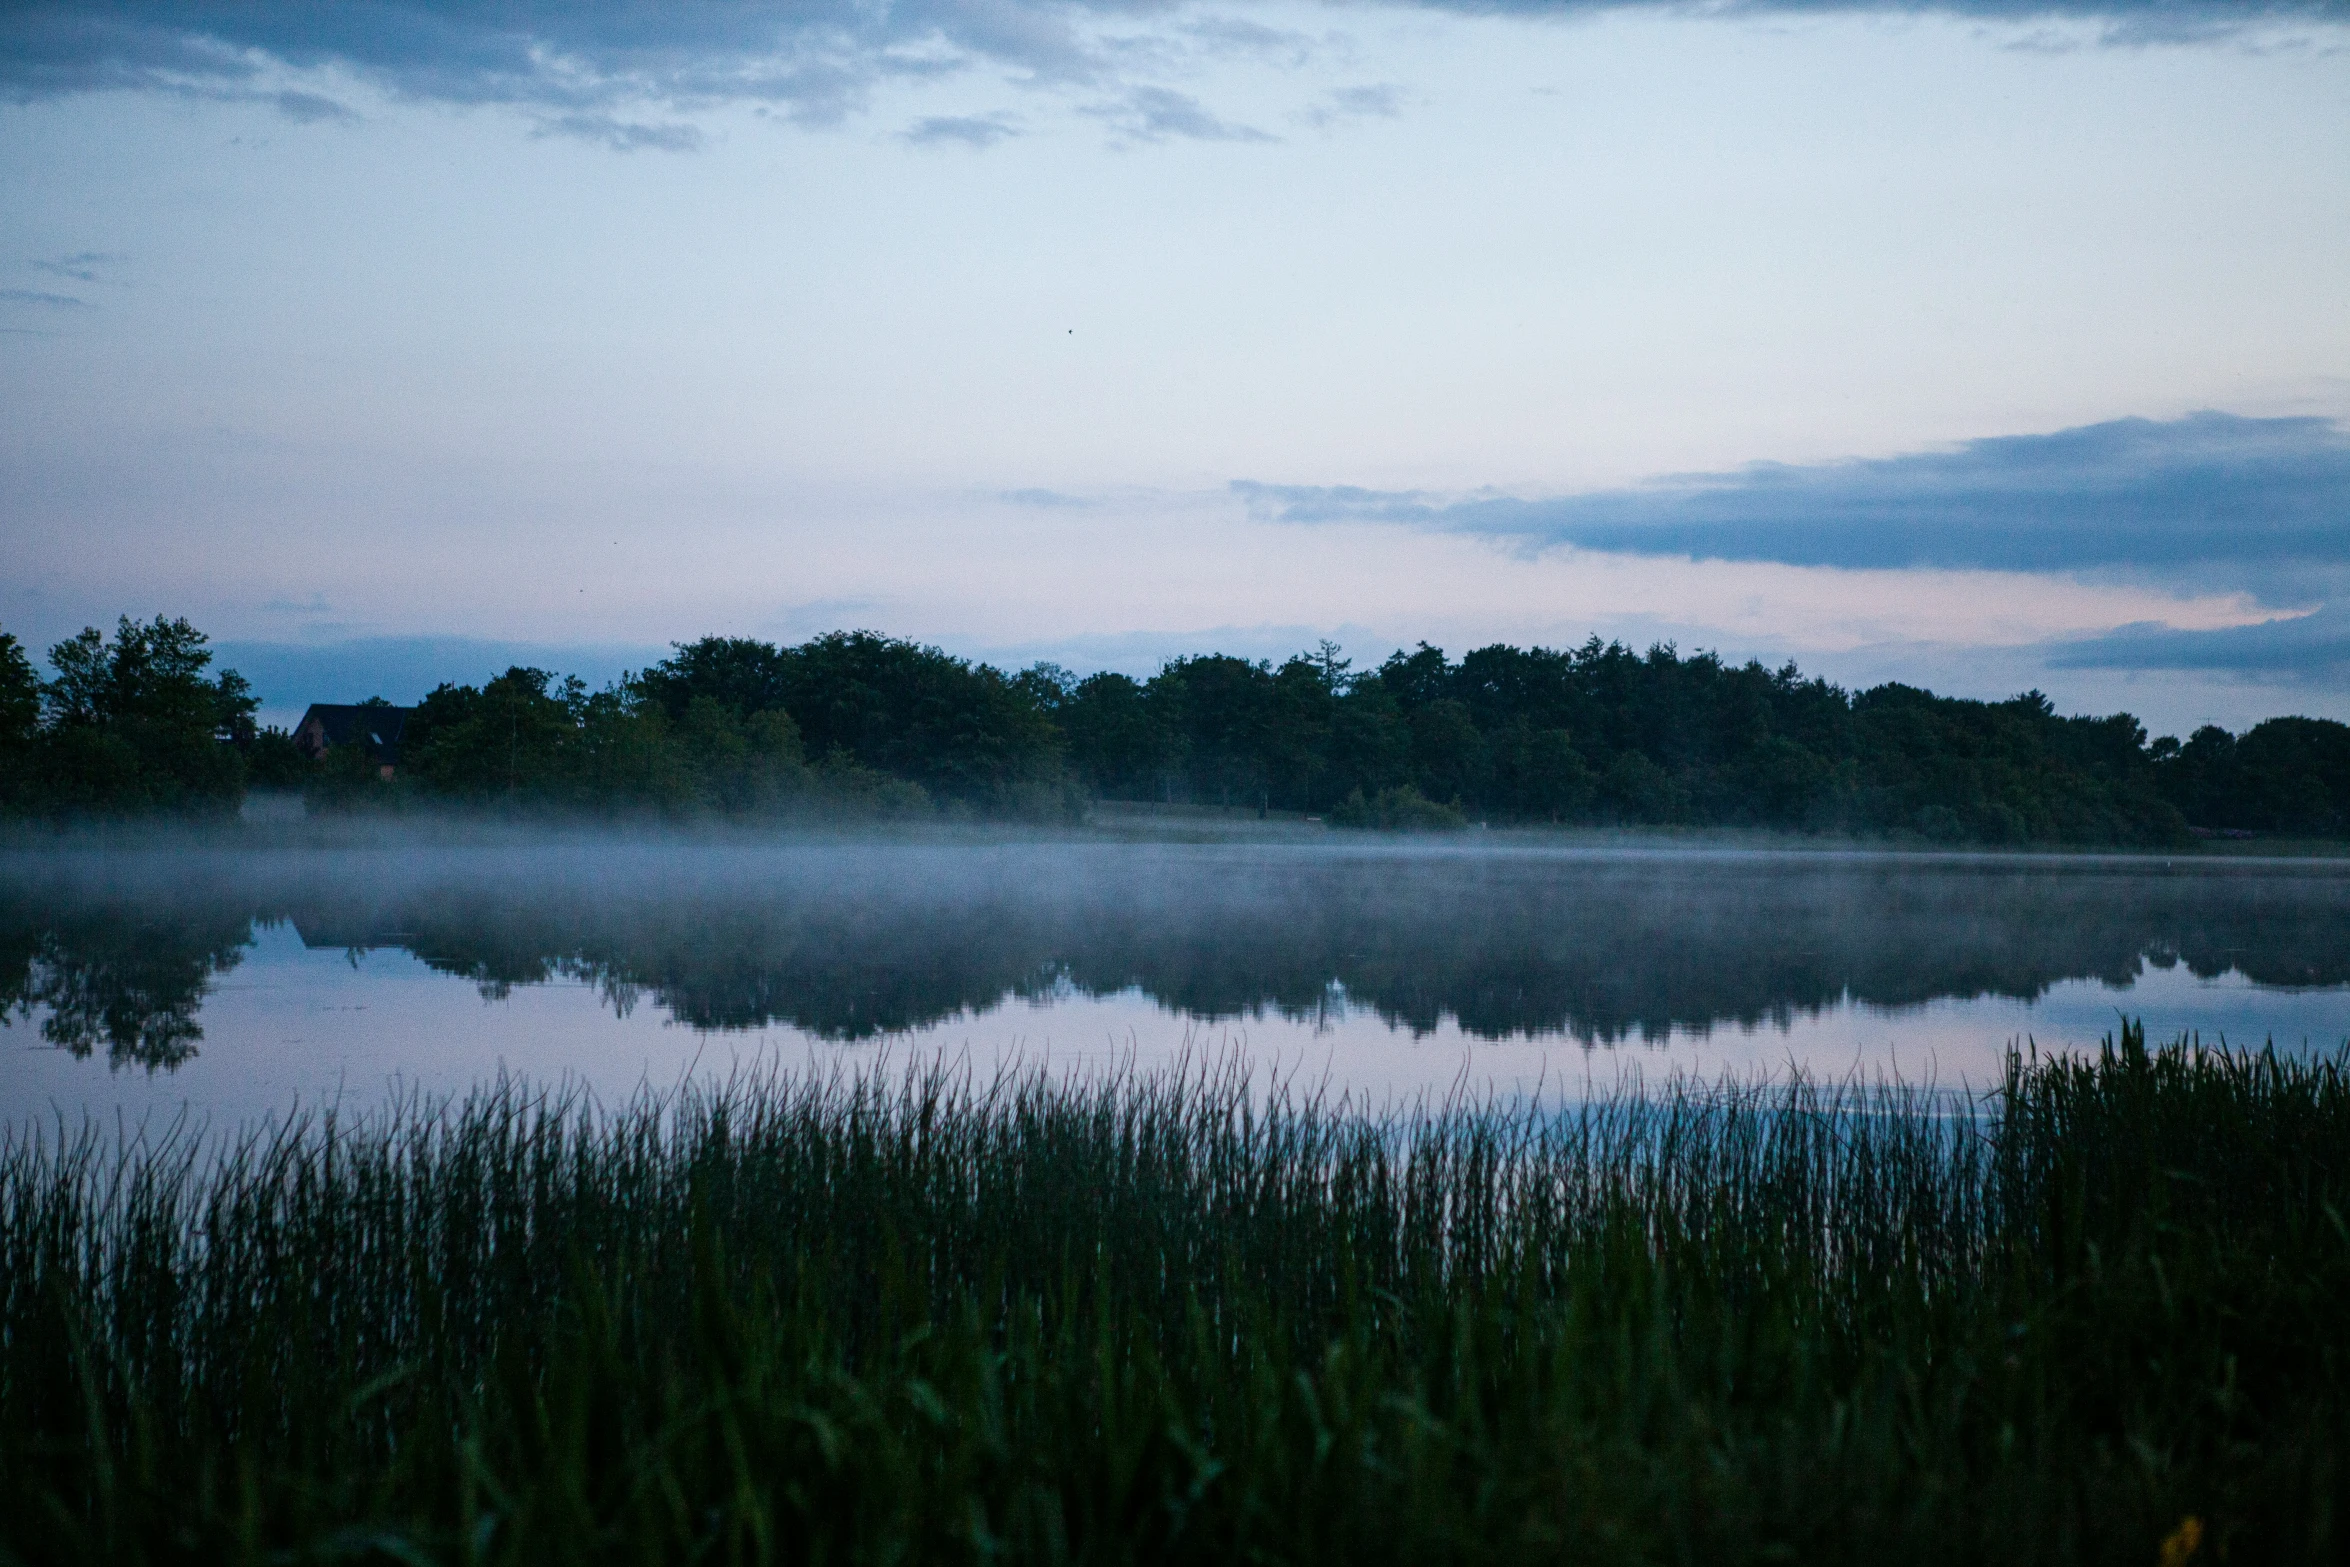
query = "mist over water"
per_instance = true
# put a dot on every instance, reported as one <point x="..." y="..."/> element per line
<point x="233" y="982"/>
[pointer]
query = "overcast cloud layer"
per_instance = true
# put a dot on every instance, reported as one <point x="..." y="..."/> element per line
<point x="597" y="68"/>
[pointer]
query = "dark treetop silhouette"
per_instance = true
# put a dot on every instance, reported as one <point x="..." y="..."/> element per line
<point x="862" y="725"/>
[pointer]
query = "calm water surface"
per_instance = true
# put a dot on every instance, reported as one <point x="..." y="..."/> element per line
<point x="236" y="983"/>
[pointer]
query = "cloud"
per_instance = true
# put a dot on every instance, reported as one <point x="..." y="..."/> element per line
<point x="961" y="130"/>
<point x="35" y="296"/>
<point x="815" y="61"/>
<point x="1045" y="499"/>
<point x="2121" y="22"/>
<point x="1153" y="114"/>
<point x="1232" y="35"/>
<point x="2253" y="501"/>
<point x="623" y="135"/>
<point x="1375" y="101"/>
<point x="309" y="108"/>
<point x="2313" y="647"/>
<point x="81" y="267"/>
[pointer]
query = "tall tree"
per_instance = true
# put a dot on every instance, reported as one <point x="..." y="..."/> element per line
<point x="132" y="723"/>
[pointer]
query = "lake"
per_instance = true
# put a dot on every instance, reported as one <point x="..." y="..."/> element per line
<point x="235" y="982"/>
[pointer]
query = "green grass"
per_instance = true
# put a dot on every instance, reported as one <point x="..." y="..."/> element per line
<point x="879" y="1318"/>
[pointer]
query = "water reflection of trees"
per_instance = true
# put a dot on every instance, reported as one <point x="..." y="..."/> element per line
<point x="1600" y="951"/>
<point x="125" y="976"/>
<point x="849" y="947"/>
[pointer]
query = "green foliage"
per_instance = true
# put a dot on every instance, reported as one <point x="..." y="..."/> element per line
<point x="866" y="792"/>
<point x="860" y="723"/>
<point x="962" y="732"/>
<point x="1172" y="1320"/>
<point x="510" y="738"/>
<point x="527" y="741"/>
<point x="524" y="740"/>
<point x="1226" y="724"/>
<point x="2006" y="772"/>
<point x="1600" y="734"/>
<point x="1116" y="740"/>
<point x="20" y="719"/>
<point x="725" y="726"/>
<point x="1400" y="809"/>
<point x="20" y="694"/>
<point x="127" y="725"/>
<point x="273" y="761"/>
<point x="2287" y="775"/>
<point x="1537" y="774"/>
<point x="347" y="778"/>
<point x="738" y="673"/>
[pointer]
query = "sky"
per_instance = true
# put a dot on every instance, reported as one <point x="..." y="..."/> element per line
<point x="1984" y="345"/>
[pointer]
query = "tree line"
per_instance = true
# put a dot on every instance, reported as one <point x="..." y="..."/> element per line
<point x="857" y="723"/>
<point x="130" y="724"/>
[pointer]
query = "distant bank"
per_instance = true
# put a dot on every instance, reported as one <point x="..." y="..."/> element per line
<point x="857" y="726"/>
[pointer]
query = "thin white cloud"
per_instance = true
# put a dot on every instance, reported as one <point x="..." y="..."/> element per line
<point x="623" y="135"/>
<point x="38" y="296"/>
<point x="86" y="266"/>
<point x="1371" y="101"/>
<point x="976" y="131"/>
<point x="1155" y="114"/>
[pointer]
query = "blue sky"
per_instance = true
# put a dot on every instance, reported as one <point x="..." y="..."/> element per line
<point x="1980" y="345"/>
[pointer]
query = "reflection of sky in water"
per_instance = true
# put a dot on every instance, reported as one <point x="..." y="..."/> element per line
<point x="318" y="1026"/>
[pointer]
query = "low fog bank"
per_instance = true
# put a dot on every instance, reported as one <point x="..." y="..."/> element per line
<point x="272" y="825"/>
<point x="860" y="936"/>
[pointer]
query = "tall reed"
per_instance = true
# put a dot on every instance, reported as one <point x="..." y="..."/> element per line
<point x="882" y="1315"/>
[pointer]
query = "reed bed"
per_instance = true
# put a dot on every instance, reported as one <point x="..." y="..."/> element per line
<point x="2095" y="1315"/>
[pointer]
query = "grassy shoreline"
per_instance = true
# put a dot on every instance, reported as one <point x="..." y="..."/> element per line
<point x="1161" y="1319"/>
<point x="1110" y="822"/>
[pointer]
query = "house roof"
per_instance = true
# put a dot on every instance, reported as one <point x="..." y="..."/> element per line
<point x="330" y="724"/>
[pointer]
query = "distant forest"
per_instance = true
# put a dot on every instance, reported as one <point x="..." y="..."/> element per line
<point x="853" y="724"/>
